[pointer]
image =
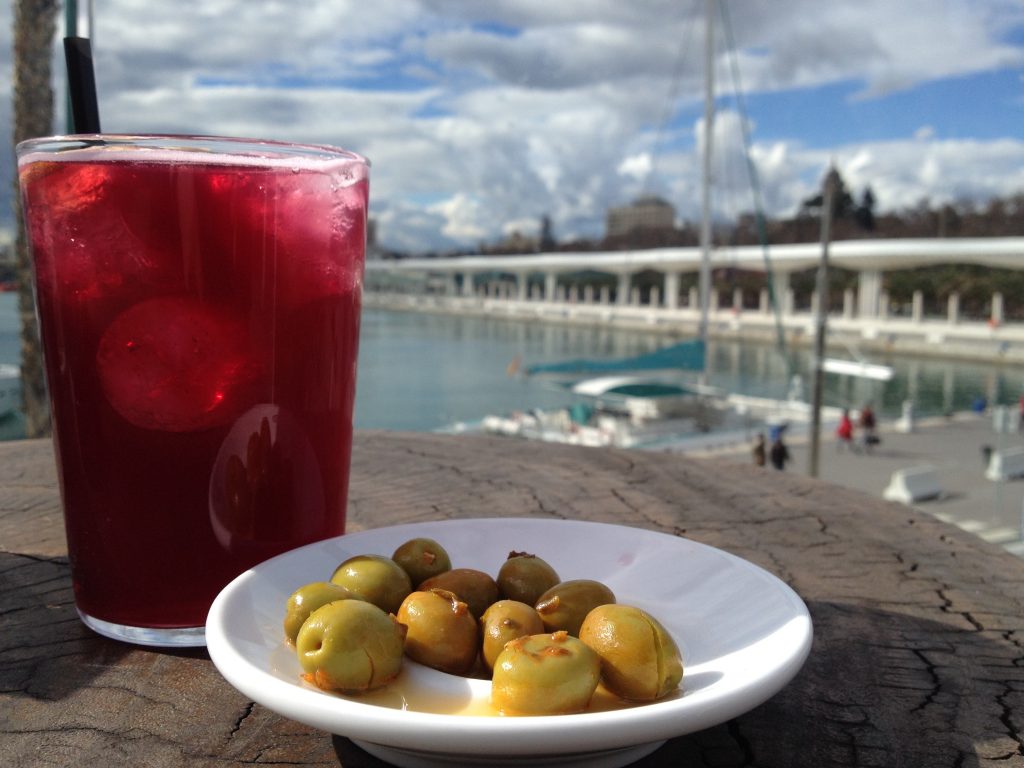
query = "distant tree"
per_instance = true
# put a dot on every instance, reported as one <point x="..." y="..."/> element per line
<point x="547" y="239"/>
<point x="842" y="202"/>
<point x="949" y="221"/>
<point x="35" y="23"/>
<point x="865" y="212"/>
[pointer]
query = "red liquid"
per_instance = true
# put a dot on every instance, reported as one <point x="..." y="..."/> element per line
<point x="200" y="325"/>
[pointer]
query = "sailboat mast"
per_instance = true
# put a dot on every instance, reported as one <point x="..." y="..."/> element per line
<point x="709" y="115"/>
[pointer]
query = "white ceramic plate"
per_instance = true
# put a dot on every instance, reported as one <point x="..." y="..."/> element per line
<point x="743" y="634"/>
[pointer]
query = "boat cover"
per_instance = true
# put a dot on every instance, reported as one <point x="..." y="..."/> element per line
<point x="687" y="355"/>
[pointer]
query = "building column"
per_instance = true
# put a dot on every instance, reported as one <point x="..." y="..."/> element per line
<point x="763" y="305"/>
<point x="953" y="308"/>
<point x="737" y="300"/>
<point x="550" y="284"/>
<point x="996" y="317"/>
<point x="848" y="304"/>
<point x="654" y="298"/>
<point x="869" y="289"/>
<point x="947" y="390"/>
<point x="671" y="290"/>
<point x="622" y="296"/>
<point x="467" y="284"/>
<point x="694" y="300"/>
<point x="783" y="293"/>
<point x="917" y="307"/>
<point x="588" y="294"/>
<point x="522" y="283"/>
<point x="606" y="295"/>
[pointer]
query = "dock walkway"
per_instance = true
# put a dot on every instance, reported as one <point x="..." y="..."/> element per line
<point x="955" y="447"/>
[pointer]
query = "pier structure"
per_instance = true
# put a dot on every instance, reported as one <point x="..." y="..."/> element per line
<point x="560" y="286"/>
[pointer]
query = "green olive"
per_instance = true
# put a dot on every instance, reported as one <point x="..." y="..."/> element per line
<point x="307" y="599"/>
<point x="375" y="579"/>
<point x="525" y="577"/>
<point x="565" y="605"/>
<point x="639" y="658"/>
<point x="422" y="558"/>
<point x="440" y="631"/>
<point x="503" y="621"/>
<point x="350" y="646"/>
<point x="475" y="588"/>
<point x="544" y="675"/>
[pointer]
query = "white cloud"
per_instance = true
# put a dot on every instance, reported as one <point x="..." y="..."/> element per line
<point x="483" y="116"/>
<point x="636" y="166"/>
<point x="903" y="172"/>
<point x="463" y="218"/>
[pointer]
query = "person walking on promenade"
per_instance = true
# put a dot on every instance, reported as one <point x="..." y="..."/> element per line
<point x="779" y="453"/>
<point x="844" y="432"/>
<point x="867" y="425"/>
<point x="760" y="449"/>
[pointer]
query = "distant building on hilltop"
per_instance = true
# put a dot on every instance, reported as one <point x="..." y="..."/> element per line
<point x="646" y="214"/>
<point x="515" y="242"/>
<point x="373" y="250"/>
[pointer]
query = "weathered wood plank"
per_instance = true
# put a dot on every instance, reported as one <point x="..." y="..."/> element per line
<point x="918" y="657"/>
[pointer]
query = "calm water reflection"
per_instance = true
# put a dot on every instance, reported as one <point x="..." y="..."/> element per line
<point x="421" y="372"/>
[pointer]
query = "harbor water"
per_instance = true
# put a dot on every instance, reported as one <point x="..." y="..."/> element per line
<point x="423" y="372"/>
<point x="427" y="371"/>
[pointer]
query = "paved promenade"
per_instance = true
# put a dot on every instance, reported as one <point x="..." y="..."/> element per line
<point x="954" y="447"/>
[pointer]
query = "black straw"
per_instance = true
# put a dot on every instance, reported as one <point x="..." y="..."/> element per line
<point x="85" y="111"/>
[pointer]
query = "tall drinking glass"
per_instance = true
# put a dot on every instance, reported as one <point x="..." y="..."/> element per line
<point x="199" y="303"/>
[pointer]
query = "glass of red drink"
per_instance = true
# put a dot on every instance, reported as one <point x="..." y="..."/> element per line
<point x="199" y="302"/>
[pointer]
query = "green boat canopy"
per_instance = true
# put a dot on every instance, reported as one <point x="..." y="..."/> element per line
<point x="687" y="356"/>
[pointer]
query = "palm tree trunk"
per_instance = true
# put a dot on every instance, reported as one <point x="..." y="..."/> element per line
<point x="34" y="27"/>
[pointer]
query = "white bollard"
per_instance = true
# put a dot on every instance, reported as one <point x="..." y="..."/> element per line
<point x="906" y="420"/>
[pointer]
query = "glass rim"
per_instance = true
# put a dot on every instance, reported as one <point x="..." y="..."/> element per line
<point x="226" y="146"/>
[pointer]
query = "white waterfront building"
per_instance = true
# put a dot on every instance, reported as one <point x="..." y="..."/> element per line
<point x="542" y="285"/>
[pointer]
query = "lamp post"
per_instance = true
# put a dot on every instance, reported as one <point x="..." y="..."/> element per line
<point x="821" y="318"/>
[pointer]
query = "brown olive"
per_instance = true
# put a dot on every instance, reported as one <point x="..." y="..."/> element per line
<point x="565" y="605"/>
<point x="639" y="658"/>
<point x="440" y="631"/>
<point x="475" y="588"/>
<point x="525" y="577"/>
<point x="503" y="621"/>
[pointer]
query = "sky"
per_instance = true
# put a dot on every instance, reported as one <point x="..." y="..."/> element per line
<point x="480" y="118"/>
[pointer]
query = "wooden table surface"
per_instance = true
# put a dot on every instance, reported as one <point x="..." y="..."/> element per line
<point x="918" y="654"/>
